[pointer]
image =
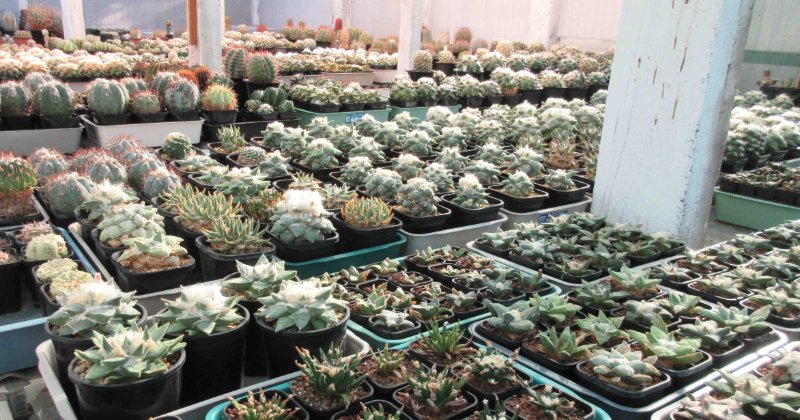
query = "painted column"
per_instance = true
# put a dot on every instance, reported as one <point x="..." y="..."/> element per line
<point x="205" y="40"/>
<point x="410" y="32"/>
<point x="72" y="17"/>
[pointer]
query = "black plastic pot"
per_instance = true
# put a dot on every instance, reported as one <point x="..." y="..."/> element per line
<point x="690" y="374"/>
<point x="323" y="174"/>
<point x="189" y="238"/>
<point x="446" y="68"/>
<point x="156" y="117"/>
<point x="564" y="197"/>
<point x="785" y="196"/>
<point x="472" y="403"/>
<point x="692" y="288"/>
<point x="37" y="215"/>
<point x="60" y="122"/>
<point x="323" y="108"/>
<point x="254" y="362"/>
<point x="512" y="100"/>
<point x="11" y="284"/>
<point x="351" y="107"/>
<point x="192" y="179"/>
<point x="424" y="224"/>
<point x="469" y="314"/>
<point x="144" y="283"/>
<point x="254" y="86"/>
<point x="533" y="97"/>
<point x="471" y="102"/>
<point x="482" y="245"/>
<point x="548" y="93"/>
<point x="370" y="106"/>
<point x="575" y="93"/>
<point x="388" y="408"/>
<point x="492" y="100"/>
<point x="215" y="266"/>
<point x="214" y="363"/>
<point x="184" y="116"/>
<point x="49" y="305"/>
<point x="19" y="123"/>
<point x="580" y="405"/>
<point x="240" y="87"/>
<point x="721" y="359"/>
<point x="448" y="101"/>
<point x="765" y="193"/>
<point x="464" y="216"/>
<point x="416" y="75"/>
<point x="86" y="225"/>
<point x="756" y="161"/>
<point x="489" y="397"/>
<point x="755" y="342"/>
<point x="552" y="270"/>
<point x="169" y="217"/>
<point x="500" y="339"/>
<point x="220" y="117"/>
<point x="280" y="353"/>
<point x="307" y="251"/>
<point x="624" y="396"/>
<point x="394" y="335"/>
<point x="516" y="297"/>
<point x="102" y="250"/>
<point x="403" y="104"/>
<point x="111" y="119"/>
<point x="355" y="238"/>
<point x="567" y="369"/>
<point x="129" y="401"/>
<point x="317" y="414"/>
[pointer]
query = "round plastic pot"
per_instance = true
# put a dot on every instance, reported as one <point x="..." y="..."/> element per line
<point x="464" y="216"/>
<point x="111" y="119"/>
<point x="394" y="335"/>
<point x="189" y="238"/>
<point x="635" y="398"/>
<point x="183" y="116"/>
<point x="548" y="93"/>
<point x="575" y="93"/>
<point x="169" y="217"/>
<point x="565" y="197"/>
<point x="321" y="174"/>
<point x="354" y="411"/>
<point x="214" y="363"/>
<point x="424" y="224"/>
<point x="719" y="360"/>
<point x="690" y="374"/>
<point x="157" y="281"/>
<point x="351" y="107"/>
<point x="497" y="338"/>
<point x="416" y="75"/>
<point x="137" y="400"/>
<point x="216" y="266"/>
<point x="472" y="404"/>
<point x="567" y="369"/>
<point x="371" y="106"/>
<point x="18" y="123"/>
<point x="156" y="117"/>
<point x="11" y="284"/>
<point x="317" y="414"/>
<point x="353" y="237"/>
<point x="220" y="117"/>
<point x="102" y="250"/>
<point x="60" y="122"/>
<point x="280" y="346"/>
<point x="402" y="104"/>
<point x="533" y="97"/>
<point x="754" y="342"/>
<point x="254" y="362"/>
<point x="307" y="251"/>
<point x="519" y="204"/>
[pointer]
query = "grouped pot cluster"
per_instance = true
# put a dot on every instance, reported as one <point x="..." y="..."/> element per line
<point x="325" y="95"/>
<point x="578" y="247"/>
<point x="37" y="101"/>
<point x="769" y="390"/>
<point x="754" y="272"/>
<point x="761" y="130"/>
<point x="775" y="182"/>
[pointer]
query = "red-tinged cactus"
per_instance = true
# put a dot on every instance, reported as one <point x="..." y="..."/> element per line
<point x="17" y="179"/>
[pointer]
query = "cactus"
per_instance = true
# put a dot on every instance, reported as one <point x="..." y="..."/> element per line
<point x="261" y="68"/>
<point x="251" y="156"/>
<point x="367" y="213"/>
<point x="11" y="69"/>
<point x="69" y="281"/>
<point x="107" y="97"/>
<point x="50" y="163"/>
<point x="470" y="193"/>
<point x="53" y="100"/>
<point x="423" y="61"/>
<point x="66" y="191"/>
<point x="320" y="154"/>
<point x="106" y="168"/>
<point x="49" y="270"/>
<point x="176" y="146"/>
<point x="231" y="139"/>
<point x="440" y="176"/>
<point x="146" y="102"/>
<point x="234" y="236"/>
<point x="417" y="142"/>
<point x="219" y="98"/>
<point x="183" y="96"/>
<point x="301" y="218"/>
<point x="15" y="100"/>
<point x="139" y="169"/>
<point x="487" y="173"/>
<point x="46" y="247"/>
<point x="417" y="198"/>
<point x="368" y="147"/>
<point x="127" y="221"/>
<point x="220" y="79"/>
<point x="159" y="182"/>
<point x="310" y="298"/>
<point x="163" y="80"/>
<point x="408" y="166"/>
<point x="134" y="85"/>
<point x="154" y="252"/>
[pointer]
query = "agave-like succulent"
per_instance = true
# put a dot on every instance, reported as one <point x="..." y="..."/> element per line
<point x="200" y="310"/>
<point x="302" y="306"/>
<point x="624" y="366"/>
<point x="259" y="280"/>
<point x="671" y="351"/>
<point x="516" y="321"/>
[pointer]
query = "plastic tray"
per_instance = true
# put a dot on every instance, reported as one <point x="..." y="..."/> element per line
<point x="341" y="118"/>
<point x="151" y="134"/>
<point x="24" y="142"/>
<point x="47" y="367"/>
<point x="363" y="78"/>
<point x="419" y="112"/>
<point x="21" y="332"/>
<point x="541" y="215"/>
<point x="354" y="258"/>
<point x="663" y="414"/>
<point x="624" y="412"/>
<point x="454" y="237"/>
<point x="384" y="77"/>
<point x="751" y="212"/>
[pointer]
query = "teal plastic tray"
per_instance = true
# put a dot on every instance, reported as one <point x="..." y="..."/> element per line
<point x="341" y="118"/>
<point x="377" y="342"/>
<point x="751" y="212"/>
<point x="354" y="258"/>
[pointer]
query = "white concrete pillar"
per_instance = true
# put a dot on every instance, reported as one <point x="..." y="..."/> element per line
<point x="72" y="18"/>
<point x="667" y="114"/>
<point x="543" y="22"/>
<point x="410" y="32"/>
<point x="255" y="19"/>
<point x="342" y="9"/>
<point x="210" y="15"/>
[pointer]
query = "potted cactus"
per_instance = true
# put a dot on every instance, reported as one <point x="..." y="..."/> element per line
<point x="470" y="203"/>
<point x="261" y="72"/>
<point x="422" y="65"/>
<point x="435" y="394"/>
<point x="559" y="184"/>
<point x="417" y="206"/>
<point x="213" y="328"/>
<point x="219" y="105"/>
<point x="403" y="93"/>
<point x="229" y="240"/>
<point x="17" y="180"/>
<point x="130" y="373"/>
<point x="152" y="263"/>
<point x="272" y="404"/>
<point x="519" y="194"/>
<point x="366" y="222"/>
<point x="320" y="159"/>
<point x="623" y="374"/>
<point x="17" y="112"/>
<point x="301" y="229"/>
<point x="283" y="326"/>
<point x="109" y="101"/>
<point x="54" y="103"/>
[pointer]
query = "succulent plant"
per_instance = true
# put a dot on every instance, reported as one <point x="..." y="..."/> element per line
<point x="197" y="211"/>
<point x="68" y="281"/>
<point x="283" y="307"/>
<point x="260" y="408"/>
<point x="777" y="266"/>
<point x="636" y="283"/>
<point x="408" y="166"/>
<point x="154" y="252"/>
<point x="367" y="213"/>
<point x="93" y="306"/>
<point x="219" y="98"/>
<point x="487" y="173"/>
<point x="356" y="170"/>
<point x="368" y="147"/>
<point x="177" y="146"/>
<point x="200" y="310"/>
<point x="645" y="312"/>
<point x="470" y="193"/>
<point x="555" y="308"/>
<point x="417" y="197"/>
<point x="778" y="300"/>
<point x="516" y="320"/>
<point x="46" y="247"/>
<point x="259" y="280"/>
<point x="107" y="97"/>
<point x="301" y="218"/>
<point x="599" y="295"/>
<point x="261" y="68"/>
<point x="417" y="142"/>
<point x="423" y="61"/>
<point x="140" y="168"/>
<point x="403" y="90"/>
<point x="440" y="176"/>
<point x="66" y="191"/>
<point x="234" y="236"/>
<point x="49" y="270"/>
<point x="332" y="376"/>
<point x="320" y="154"/>
<point x="53" y="99"/>
<point x="274" y="165"/>
<point x="622" y="366"/>
<point x="741" y="321"/>
<point x="671" y="351"/>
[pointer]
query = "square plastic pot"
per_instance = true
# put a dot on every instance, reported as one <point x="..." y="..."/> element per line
<point x="25" y="142"/>
<point x="306" y="251"/>
<point x="636" y="398"/>
<point x="564" y="197"/>
<point x="216" y="266"/>
<point x="11" y="284"/>
<point x="144" y="283"/>
<point x="464" y="216"/>
<point x="353" y="238"/>
<point x="151" y="134"/>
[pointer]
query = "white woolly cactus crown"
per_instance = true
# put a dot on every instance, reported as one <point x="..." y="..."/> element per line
<point x="469" y="181"/>
<point x="299" y="202"/>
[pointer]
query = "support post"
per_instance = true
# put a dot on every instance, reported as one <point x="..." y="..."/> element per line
<point x="72" y="18"/>
<point x="667" y="115"/>
<point x="209" y="16"/>
<point x="342" y="9"/>
<point x="410" y="32"/>
<point x="255" y="19"/>
<point x="543" y="22"/>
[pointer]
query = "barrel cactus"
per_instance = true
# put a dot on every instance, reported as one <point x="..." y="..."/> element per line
<point x="219" y="98"/>
<point x="107" y="97"/>
<point x="106" y="168"/>
<point x="181" y="97"/>
<point x="146" y="102"/>
<point x="17" y="179"/>
<point x="423" y="61"/>
<point x="15" y="100"/>
<point x="220" y="78"/>
<point x="163" y="80"/>
<point x="417" y="198"/>
<point x="159" y="181"/>
<point x="234" y="63"/>
<point x="54" y="99"/>
<point x="134" y="85"/>
<point x="35" y="79"/>
<point x="261" y="68"/>
<point x="138" y="171"/>
<point x="48" y="162"/>
<point x="66" y="191"/>
<point x="176" y="146"/>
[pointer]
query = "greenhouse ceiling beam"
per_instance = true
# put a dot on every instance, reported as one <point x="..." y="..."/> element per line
<point x="72" y="19"/>
<point x="669" y="102"/>
<point x="409" y="33"/>
<point x="206" y="26"/>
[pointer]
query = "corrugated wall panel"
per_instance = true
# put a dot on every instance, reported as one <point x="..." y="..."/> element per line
<point x="274" y="13"/>
<point x="488" y="20"/>
<point x="379" y="17"/>
<point x="589" y="24"/>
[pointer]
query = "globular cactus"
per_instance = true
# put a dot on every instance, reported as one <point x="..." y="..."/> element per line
<point x="418" y="198"/>
<point x="46" y="247"/>
<point x="202" y="75"/>
<point x="106" y="168"/>
<point x="54" y="99"/>
<point x="146" y="102"/>
<point x="187" y="74"/>
<point x="423" y="61"/>
<point x="134" y="85"/>
<point x="158" y="182"/>
<point x="383" y="183"/>
<point x="234" y="63"/>
<point x="163" y="81"/>
<point x="34" y="80"/>
<point x="219" y="98"/>
<point x="47" y="162"/>
<point x="182" y="96"/>
<point x="176" y="146"/>
<point x="506" y="48"/>
<point x="138" y="170"/>
<point x="107" y="97"/>
<point x="65" y="192"/>
<point x="11" y="69"/>
<point x="219" y="79"/>
<point x="463" y="34"/>
<point x="261" y="68"/>
<point x="17" y="179"/>
<point x="15" y="100"/>
<point x="121" y="144"/>
<point x="324" y="34"/>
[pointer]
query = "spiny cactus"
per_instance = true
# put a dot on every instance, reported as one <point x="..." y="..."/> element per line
<point x="107" y="97"/>
<point x="261" y="68"/>
<point x="383" y="183"/>
<point x="53" y="99"/>
<point x="417" y="198"/>
<point x="181" y="97"/>
<point x="66" y="191"/>
<point x="146" y="102"/>
<point x="219" y="98"/>
<point x="423" y="61"/>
